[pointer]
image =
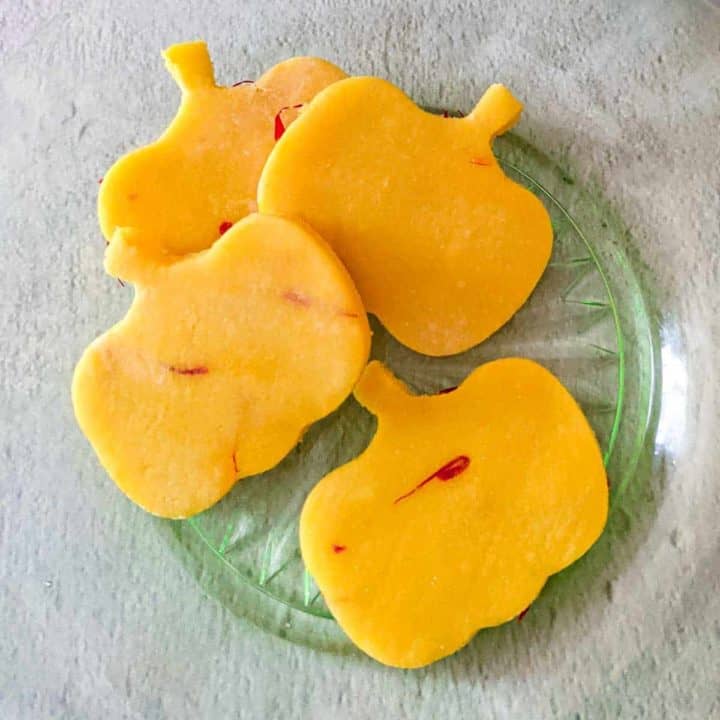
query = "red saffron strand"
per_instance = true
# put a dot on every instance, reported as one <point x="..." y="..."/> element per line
<point x="243" y="82"/>
<point x="447" y="390"/>
<point x="523" y="614"/>
<point x="339" y="548"/>
<point x="279" y="124"/>
<point x="224" y="226"/>
<point x="446" y="114"/>
<point x="279" y="127"/>
<point x="480" y="161"/>
<point x="447" y="472"/>
<point x="453" y="468"/>
<point x="295" y="297"/>
<point x="197" y="370"/>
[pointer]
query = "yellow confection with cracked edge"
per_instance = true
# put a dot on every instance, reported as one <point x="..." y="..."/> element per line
<point x="443" y="247"/>
<point x="222" y="361"/>
<point x="183" y="190"/>
<point x="458" y="511"/>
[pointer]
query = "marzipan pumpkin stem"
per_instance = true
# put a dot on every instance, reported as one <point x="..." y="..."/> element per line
<point x="379" y="390"/>
<point x="189" y="63"/>
<point x="497" y="110"/>
<point x="126" y="261"/>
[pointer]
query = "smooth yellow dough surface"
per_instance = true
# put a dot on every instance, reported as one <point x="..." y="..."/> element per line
<point x="222" y="361"/>
<point x="443" y="247"/>
<point x="458" y="511"/>
<point x="201" y="175"/>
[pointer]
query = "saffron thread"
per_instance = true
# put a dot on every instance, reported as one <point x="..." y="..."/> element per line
<point x="279" y="124"/>
<point x="447" y="472"/>
<point x="295" y="297"/>
<point x="197" y="370"/>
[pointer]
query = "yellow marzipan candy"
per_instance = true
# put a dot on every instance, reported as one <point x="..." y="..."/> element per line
<point x="222" y="361"/>
<point x="183" y="190"/>
<point x="458" y="511"/>
<point x="443" y="247"/>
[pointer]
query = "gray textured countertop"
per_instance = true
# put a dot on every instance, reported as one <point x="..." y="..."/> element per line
<point x="98" y="620"/>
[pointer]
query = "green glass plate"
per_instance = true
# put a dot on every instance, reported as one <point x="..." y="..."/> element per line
<point x="587" y="321"/>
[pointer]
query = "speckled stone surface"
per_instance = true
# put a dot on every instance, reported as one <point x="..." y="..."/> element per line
<point x="98" y="620"/>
